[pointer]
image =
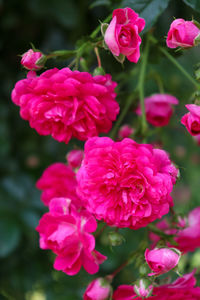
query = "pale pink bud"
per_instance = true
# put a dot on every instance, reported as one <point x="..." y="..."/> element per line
<point x="191" y="120"/>
<point x="143" y="289"/>
<point x="75" y="158"/>
<point x="30" y="58"/>
<point x="182" y="34"/>
<point x="162" y="260"/>
<point x="98" y="289"/>
<point x="122" y="34"/>
<point x="125" y="131"/>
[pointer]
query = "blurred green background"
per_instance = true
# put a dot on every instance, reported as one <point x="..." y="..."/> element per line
<point x="26" y="271"/>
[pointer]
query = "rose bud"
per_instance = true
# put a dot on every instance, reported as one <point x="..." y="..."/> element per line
<point x="122" y="34"/>
<point x="143" y="288"/>
<point x="98" y="289"/>
<point x="158" y="108"/>
<point x="192" y="119"/>
<point x="162" y="260"/>
<point x="75" y="158"/>
<point x="30" y="58"/>
<point x="125" y="131"/>
<point x="182" y="34"/>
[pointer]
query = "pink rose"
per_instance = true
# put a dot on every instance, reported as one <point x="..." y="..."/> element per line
<point x="161" y="260"/>
<point x="67" y="233"/>
<point x="125" y="184"/>
<point x="192" y="119"/>
<point x="98" y="289"/>
<point x="186" y="231"/>
<point x="74" y="158"/>
<point x="58" y="180"/>
<point x="65" y="104"/>
<point x="30" y="58"/>
<point x="181" y="289"/>
<point x="122" y="34"/>
<point x="125" y="131"/>
<point x="158" y="108"/>
<point x="182" y="34"/>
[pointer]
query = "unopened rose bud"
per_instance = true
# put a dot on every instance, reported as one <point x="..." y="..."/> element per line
<point x="162" y="260"/>
<point x="98" y="289"/>
<point x="74" y="158"/>
<point x="125" y="131"/>
<point x="183" y="34"/>
<point x="98" y="71"/>
<point x="115" y="238"/>
<point x="30" y="60"/>
<point x="143" y="288"/>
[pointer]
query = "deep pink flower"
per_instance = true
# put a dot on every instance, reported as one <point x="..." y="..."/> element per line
<point x="30" y="58"/>
<point x="65" y="104"/>
<point x="125" y="131"/>
<point x="161" y="260"/>
<point x="124" y="183"/>
<point x="192" y="119"/>
<point x="186" y="231"/>
<point x="67" y="233"/>
<point x="181" y="289"/>
<point x="98" y="289"/>
<point x="182" y="34"/>
<point x="58" y="180"/>
<point x="158" y="108"/>
<point x="74" y="158"/>
<point x="122" y="34"/>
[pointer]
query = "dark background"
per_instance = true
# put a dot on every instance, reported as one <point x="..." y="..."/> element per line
<point x="26" y="271"/>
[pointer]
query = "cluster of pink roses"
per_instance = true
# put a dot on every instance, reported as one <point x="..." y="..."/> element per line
<point x="122" y="183"/>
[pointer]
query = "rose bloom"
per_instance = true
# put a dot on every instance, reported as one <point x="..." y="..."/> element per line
<point x="161" y="260"/>
<point x="158" y="108"/>
<point x="98" y="289"/>
<point x="187" y="236"/>
<point x="30" y="58"/>
<point x="181" y="289"/>
<point x="65" y="104"/>
<point x="122" y="34"/>
<point x="125" y="131"/>
<point x="182" y="34"/>
<point x="58" y="180"/>
<point x="74" y="158"/>
<point x="192" y="119"/>
<point x="124" y="183"/>
<point x="67" y="233"/>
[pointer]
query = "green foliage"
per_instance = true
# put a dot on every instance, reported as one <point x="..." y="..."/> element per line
<point x="195" y="4"/>
<point x="150" y="10"/>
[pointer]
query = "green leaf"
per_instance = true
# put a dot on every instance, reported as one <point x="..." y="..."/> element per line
<point x="10" y="236"/>
<point x="100" y="3"/>
<point x="150" y="10"/>
<point x="195" y="4"/>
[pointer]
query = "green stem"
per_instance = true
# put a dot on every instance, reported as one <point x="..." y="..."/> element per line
<point x="96" y="31"/>
<point x="122" y="115"/>
<point x="158" y="81"/>
<point x="141" y="87"/>
<point x="181" y="69"/>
